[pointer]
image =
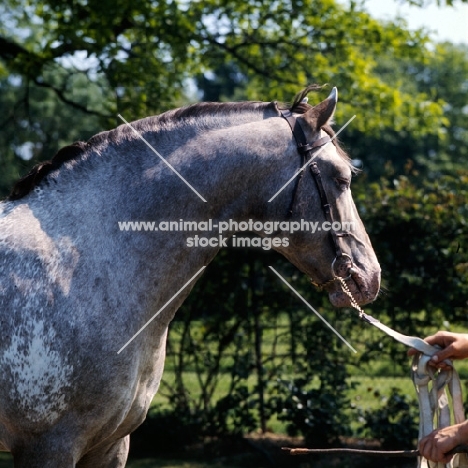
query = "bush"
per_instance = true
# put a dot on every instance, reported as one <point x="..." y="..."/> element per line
<point x="315" y="405"/>
<point x="395" y="423"/>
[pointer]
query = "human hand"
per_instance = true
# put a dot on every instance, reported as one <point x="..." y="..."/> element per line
<point x="454" y="346"/>
<point x="437" y="444"/>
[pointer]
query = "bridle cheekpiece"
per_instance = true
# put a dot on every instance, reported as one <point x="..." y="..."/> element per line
<point x="306" y="151"/>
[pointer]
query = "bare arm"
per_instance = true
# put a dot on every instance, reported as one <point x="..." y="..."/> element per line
<point x="435" y="446"/>
<point x="454" y="346"/>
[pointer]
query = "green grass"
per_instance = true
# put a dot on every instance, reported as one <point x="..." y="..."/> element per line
<point x="6" y="461"/>
<point x="168" y="463"/>
<point x="365" y="386"/>
<point x="368" y="393"/>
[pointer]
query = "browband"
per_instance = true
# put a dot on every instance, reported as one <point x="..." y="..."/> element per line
<point x="299" y="135"/>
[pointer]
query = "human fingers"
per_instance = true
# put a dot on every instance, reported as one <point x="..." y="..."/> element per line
<point x="454" y="345"/>
<point x="433" y="451"/>
<point x="439" y="359"/>
<point x="441" y="338"/>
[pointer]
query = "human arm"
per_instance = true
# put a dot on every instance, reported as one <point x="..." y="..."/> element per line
<point x="454" y="346"/>
<point x="438" y="443"/>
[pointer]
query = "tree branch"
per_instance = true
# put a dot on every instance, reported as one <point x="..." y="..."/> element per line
<point x="61" y="95"/>
<point x="11" y="53"/>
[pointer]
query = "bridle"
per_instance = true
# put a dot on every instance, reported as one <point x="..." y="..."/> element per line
<point x="430" y="403"/>
<point x="306" y="151"/>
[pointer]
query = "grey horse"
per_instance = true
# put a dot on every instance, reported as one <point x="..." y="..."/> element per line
<point x="75" y="287"/>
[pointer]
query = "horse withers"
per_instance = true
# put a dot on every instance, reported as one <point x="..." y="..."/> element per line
<point x="75" y="286"/>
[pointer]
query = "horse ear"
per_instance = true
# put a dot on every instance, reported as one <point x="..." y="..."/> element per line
<point x="324" y="111"/>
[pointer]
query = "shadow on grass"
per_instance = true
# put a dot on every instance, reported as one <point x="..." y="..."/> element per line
<point x="6" y="461"/>
<point x="163" y="463"/>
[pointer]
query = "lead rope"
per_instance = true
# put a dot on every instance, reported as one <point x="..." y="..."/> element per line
<point x="433" y="401"/>
<point x="346" y="290"/>
<point x="434" y="409"/>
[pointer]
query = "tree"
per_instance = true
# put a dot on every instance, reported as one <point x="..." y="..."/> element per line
<point x="144" y="56"/>
<point x="35" y="123"/>
<point x="147" y="50"/>
<point x="420" y="237"/>
<point x="441" y="75"/>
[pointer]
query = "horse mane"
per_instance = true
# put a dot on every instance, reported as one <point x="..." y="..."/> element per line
<point x="77" y="149"/>
<point x="33" y="178"/>
<point x="212" y="109"/>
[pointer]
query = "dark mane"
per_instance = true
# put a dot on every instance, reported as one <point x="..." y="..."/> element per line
<point x="213" y="109"/>
<point x="74" y="151"/>
<point x="27" y="183"/>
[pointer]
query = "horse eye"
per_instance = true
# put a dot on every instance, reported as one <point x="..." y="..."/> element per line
<point x="342" y="183"/>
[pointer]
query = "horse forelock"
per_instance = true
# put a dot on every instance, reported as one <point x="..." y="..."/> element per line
<point x="300" y="106"/>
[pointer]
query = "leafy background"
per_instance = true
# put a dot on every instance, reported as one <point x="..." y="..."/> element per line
<point x="243" y="354"/>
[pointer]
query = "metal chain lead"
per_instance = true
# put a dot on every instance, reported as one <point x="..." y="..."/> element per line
<point x="346" y="290"/>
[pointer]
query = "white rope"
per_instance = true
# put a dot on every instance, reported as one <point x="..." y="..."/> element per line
<point x="434" y="409"/>
<point x="431" y="386"/>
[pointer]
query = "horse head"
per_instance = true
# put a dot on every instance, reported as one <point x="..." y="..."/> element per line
<point x="335" y="245"/>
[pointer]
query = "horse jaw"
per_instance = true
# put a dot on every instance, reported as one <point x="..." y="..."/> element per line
<point x="363" y="286"/>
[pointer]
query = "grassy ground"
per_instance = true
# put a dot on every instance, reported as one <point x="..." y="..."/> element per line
<point x="6" y="461"/>
<point x="363" y="395"/>
<point x="168" y="463"/>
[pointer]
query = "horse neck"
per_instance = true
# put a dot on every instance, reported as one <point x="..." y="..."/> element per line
<point x="237" y="169"/>
<point x="236" y="163"/>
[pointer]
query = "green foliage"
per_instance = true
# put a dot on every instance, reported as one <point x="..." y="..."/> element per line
<point x="146" y="51"/>
<point x="35" y="124"/>
<point x="316" y="413"/>
<point x="440" y="75"/>
<point x="222" y="346"/>
<point x="420" y="237"/>
<point x="103" y="57"/>
<point x="67" y="69"/>
<point x="243" y="337"/>
<point x="315" y="404"/>
<point x="252" y="333"/>
<point x="395" y="423"/>
<point x="235" y="413"/>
